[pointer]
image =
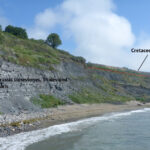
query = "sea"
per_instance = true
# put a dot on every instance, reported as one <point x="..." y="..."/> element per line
<point x="116" y="131"/>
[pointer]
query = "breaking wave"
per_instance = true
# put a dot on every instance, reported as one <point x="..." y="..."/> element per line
<point x="22" y="140"/>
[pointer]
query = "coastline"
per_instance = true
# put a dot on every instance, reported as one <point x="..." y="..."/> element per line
<point x="14" y="124"/>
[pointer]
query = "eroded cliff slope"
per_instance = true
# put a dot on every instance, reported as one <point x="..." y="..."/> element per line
<point x="60" y="77"/>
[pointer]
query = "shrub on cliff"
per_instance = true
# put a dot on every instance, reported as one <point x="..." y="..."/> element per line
<point x="78" y="59"/>
<point x="17" y="31"/>
<point x="47" y="101"/>
<point x="53" y="40"/>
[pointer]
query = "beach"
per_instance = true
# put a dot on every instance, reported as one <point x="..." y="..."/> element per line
<point x="13" y="124"/>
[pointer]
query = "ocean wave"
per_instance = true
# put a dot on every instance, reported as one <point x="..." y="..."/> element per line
<point x="22" y="140"/>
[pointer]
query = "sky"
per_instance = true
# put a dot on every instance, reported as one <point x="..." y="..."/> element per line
<point x="102" y="31"/>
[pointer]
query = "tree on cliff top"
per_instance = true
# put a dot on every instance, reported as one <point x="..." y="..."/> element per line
<point x="53" y="40"/>
<point x="17" y="31"/>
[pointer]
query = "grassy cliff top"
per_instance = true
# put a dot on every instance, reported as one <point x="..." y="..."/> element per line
<point x="33" y="53"/>
<point x="37" y="54"/>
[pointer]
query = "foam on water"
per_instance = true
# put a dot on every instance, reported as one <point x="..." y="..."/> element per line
<point x="22" y="140"/>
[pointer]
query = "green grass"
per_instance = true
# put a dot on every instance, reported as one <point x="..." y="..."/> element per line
<point x="46" y="101"/>
<point x="92" y="96"/>
<point x="143" y="99"/>
<point x="32" y="53"/>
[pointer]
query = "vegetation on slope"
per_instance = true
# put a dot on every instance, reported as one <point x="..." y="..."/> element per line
<point x="33" y="53"/>
<point x="111" y="87"/>
<point x="92" y="96"/>
<point x="46" y="101"/>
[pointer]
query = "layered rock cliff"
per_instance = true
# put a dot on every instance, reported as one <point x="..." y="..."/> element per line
<point x="81" y="82"/>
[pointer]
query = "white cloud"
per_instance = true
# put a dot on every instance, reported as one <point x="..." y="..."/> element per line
<point x="37" y="33"/>
<point x="46" y="19"/>
<point x="100" y="34"/>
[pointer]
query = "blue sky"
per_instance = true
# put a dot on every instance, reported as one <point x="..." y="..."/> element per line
<point x="22" y="12"/>
<point x="137" y="12"/>
<point x="69" y="18"/>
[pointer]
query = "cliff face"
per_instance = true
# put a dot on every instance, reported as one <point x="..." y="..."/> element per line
<point x="22" y="59"/>
<point x="15" y="94"/>
<point x="82" y="85"/>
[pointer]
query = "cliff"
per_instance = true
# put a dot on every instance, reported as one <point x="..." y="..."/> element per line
<point x="35" y="76"/>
